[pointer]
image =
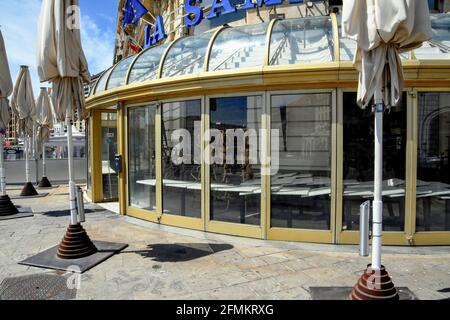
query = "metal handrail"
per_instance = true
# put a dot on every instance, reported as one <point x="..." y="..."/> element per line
<point x="278" y="50"/>
<point x="228" y="58"/>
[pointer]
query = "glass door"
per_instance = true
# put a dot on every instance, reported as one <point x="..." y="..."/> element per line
<point x="234" y="168"/>
<point x="110" y="176"/>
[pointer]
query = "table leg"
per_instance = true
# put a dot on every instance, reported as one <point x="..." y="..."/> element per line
<point x="243" y="208"/>
<point x="183" y="202"/>
<point x="427" y="213"/>
<point x="447" y="215"/>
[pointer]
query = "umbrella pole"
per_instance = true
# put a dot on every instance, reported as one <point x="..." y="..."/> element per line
<point x="72" y="186"/>
<point x="6" y="206"/>
<point x="44" y="183"/>
<point x="2" y="170"/>
<point x="28" y="189"/>
<point x="76" y="242"/>
<point x="377" y="227"/>
<point x="375" y="283"/>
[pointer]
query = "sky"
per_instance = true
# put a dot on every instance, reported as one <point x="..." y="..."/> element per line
<point x="18" y="23"/>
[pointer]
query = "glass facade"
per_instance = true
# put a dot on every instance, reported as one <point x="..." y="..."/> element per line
<point x="142" y="158"/>
<point x="301" y="188"/>
<point x="296" y="41"/>
<point x="359" y="163"/>
<point x="433" y="169"/>
<point x="119" y="73"/>
<point x="235" y="173"/>
<point x="181" y="165"/>
<point x="236" y="48"/>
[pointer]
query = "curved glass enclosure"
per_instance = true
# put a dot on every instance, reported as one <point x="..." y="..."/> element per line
<point x="186" y="56"/>
<point x="303" y="40"/>
<point x="119" y="73"/>
<point x="147" y="65"/>
<point x="292" y="42"/>
<point x="101" y="84"/>
<point x="240" y="47"/>
<point x="438" y="48"/>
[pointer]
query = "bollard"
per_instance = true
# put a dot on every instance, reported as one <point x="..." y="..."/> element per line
<point x="80" y="205"/>
<point x="364" y="229"/>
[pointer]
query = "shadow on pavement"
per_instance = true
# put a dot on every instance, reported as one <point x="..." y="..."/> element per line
<point x="63" y="213"/>
<point x="180" y="252"/>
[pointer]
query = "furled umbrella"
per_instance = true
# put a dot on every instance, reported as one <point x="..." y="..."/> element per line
<point x="44" y="119"/>
<point x="61" y="61"/>
<point x="6" y="87"/>
<point x="383" y="30"/>
<point x="24" y="107"/>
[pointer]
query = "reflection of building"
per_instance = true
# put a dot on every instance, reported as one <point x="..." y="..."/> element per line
<point x="292" y="74"/>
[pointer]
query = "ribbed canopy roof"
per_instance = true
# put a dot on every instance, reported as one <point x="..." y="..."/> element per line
<point x="291" y="42"/>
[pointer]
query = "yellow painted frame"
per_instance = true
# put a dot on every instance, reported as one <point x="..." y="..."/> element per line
<point x="422" y="238"/>
<point x="296" y="234"/>
<point x="243" y="230"/>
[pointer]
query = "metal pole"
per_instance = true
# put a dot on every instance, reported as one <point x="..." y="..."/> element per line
<point x="2" y="169"/>
<point x="72" y="186"/>
<point x="44" y="167"/>
<point x="27" y="167"/>
<point x="378" y="188"/>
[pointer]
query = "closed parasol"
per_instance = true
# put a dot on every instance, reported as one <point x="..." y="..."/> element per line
<point x="24" y="107"/>
<point x="383" y="30"/>
<point x="44" y="119"/>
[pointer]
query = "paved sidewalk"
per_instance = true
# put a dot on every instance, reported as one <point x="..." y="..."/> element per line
<point x="171" y="263"/>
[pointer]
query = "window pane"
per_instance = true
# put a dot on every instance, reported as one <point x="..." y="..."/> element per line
<point x="301" y="188"/>
<point x="187" y="56"/>
<point x="147" y="65"/>
<point x="359" y="163"/>
<point x="433" y="170"/>
<point x="236" y="181"/>
<point x="302" y="40"/>
<point x="102" y="81"/>
<point x="110" y="175"/>
<point x="141" y="158"/>
<point x="119" y="74"/>
<point x="240" y="47"/>
<point x="181" y="165"/>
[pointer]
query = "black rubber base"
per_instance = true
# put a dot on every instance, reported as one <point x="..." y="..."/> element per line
<point x="28" y="190"/>
<point x="44" y="183"/>
<point x="7" y="208"/>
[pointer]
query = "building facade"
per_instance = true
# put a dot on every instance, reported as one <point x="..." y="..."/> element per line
<point x="283" y="78"/>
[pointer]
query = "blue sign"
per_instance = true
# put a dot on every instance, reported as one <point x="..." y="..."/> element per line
<point x="195" y="15"/>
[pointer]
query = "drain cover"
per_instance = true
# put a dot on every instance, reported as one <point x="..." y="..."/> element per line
<point x="36" y="287"/>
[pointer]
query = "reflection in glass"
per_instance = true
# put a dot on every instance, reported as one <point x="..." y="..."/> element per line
<point x="433" y="169"/>
<point x="110" y="175"/>
<point x="141" y="158"/>
<point x="119" y="74"/>
<point x="102" y="81"/>
<point x="301" y="190"/>
<point x="303" y="40"/>
<point x="147" y="65"/>
<point x="359" y="163"/>
<point x="439" y="45"/>
<point x="239" y="47"/>
<point x="236" y="185"/>
<point x="186" y="56"/>
<point x="181" y="179"/>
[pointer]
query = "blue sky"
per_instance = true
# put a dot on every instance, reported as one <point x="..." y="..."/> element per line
<point x="18" y="21"/>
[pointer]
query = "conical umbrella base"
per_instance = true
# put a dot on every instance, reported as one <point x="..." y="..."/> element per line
<point x="28" y="190"/>
<point x="7" y="208"/>
<point x="44" y="183"/>
<point x="76" y="244"/>
<point x="374" y="285"/>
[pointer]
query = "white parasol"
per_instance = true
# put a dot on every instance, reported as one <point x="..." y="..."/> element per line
<point x="61" y="60"/>
<point x="383" y="29"/>
<point x="6" y="87"/>
<point x="44" y="119"/>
